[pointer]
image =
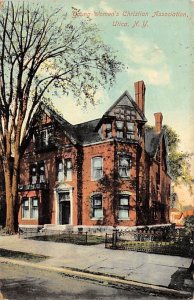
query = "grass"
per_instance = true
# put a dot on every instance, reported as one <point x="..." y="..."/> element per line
<point x="72" y="238"/>
<point x="21" y="255"/>
<point x="170" y="248"/>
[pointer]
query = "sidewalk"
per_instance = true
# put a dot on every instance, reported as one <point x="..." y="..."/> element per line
<point x="144" y="268"/>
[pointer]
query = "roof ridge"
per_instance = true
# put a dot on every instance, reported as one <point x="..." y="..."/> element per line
<point x="87" y="122"/>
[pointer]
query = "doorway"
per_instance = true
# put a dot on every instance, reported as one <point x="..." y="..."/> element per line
<point x="64" y="208"/>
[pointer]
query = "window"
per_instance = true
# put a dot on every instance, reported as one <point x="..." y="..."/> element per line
<point x="97" y="172"/>
<point x="60" y="170"/>
<point x="123" y="207"/>
<point x="41" y="171"/>
<point x="64" y="196"/>
<point x="119" y="125"/>
<point x="37" y="173"/>
<point x="30" y="208"/>
<point x="25" y="209"/>
<point x="108" y="130"/>
<point x="124" y="167"/>
<point x="34" y="208"/>
<point x="96" y="206"/>
<point x="44" y="138"/>
<point x="64" y="169"/>
<point x="33" y="174"/>
<point x="68" y="170"/>
<point x="130" y="130"/>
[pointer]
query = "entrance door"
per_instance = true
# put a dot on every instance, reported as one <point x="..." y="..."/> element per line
<point x="64" y="208"/>
<point x="65" y="212"/>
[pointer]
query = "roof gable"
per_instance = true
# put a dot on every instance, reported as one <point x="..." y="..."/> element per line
<point x="153" y="140"/>
<point x="67" y="127"/>
<point x="125" y="100"/>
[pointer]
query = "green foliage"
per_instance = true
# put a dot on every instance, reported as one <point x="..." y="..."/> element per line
<point x="189" y="225"/>
<point x="43" y="56"/>
<point x="178" y="160"/>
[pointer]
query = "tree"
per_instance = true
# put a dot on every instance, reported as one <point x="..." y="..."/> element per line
<point x="39" y="55"/>
<point x="189" y="225"/>
<point x="178" y="160"/>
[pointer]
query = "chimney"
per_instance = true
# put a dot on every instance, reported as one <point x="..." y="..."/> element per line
<point x="158" y="121"/>
<point x="140" y="94"/>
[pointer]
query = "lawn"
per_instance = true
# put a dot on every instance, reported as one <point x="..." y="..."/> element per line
<point x="21" y="255"/>
<point x="73" y="238"/>
<point x="170" y="248"/>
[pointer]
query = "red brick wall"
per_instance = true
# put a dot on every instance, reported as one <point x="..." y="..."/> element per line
<point x="49" y="157"/>
<point x="107" y="186"/>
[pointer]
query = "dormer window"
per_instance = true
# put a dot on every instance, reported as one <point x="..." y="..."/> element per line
<point x="108" y="130"/>
<point x="119" y="126"/>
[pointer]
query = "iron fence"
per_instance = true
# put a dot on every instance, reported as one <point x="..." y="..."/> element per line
<point x="168" y="241"/>
<point x="61" y="236"/>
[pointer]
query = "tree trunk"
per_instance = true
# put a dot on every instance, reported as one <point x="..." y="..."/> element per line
<point x="9" y="197"/>
<point x="15" y="188"/>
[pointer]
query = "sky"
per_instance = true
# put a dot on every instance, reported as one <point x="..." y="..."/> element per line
<point x="155" y="48"/>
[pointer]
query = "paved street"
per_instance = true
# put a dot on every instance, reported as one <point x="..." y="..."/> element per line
<point x="21" y="283"/>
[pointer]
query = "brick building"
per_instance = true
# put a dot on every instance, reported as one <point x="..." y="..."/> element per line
<point x="109" y="171"/>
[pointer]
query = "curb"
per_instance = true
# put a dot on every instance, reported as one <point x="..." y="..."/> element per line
<point x="99" y="278"/>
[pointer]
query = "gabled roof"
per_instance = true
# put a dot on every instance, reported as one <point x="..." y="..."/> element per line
<point x="152" y="143"/>
<point x="68" y="127"/>
<point x="126" y="100"/>
<point x="86" y="133"/>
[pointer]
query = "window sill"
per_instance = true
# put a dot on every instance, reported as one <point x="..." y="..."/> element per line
<point x="29" y="219"/>
<point x="96" y="219"/>
<point x="92" y="179"/>
<point x="127" y="219"/>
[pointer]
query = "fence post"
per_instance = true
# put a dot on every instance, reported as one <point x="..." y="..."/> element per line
<point x="86" y="237"/>
<point x="106" y="239"/>
<point x="114" y="238"/>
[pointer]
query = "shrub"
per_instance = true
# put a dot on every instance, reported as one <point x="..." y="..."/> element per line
<point x="189" y="225"/>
